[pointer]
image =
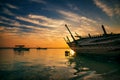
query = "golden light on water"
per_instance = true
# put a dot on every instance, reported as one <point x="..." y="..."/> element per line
<point x="72" y="53"/>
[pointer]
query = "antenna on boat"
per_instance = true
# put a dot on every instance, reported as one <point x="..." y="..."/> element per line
<point x="89" y="35"/>
<point x="105" y="33"/>
<point x="68" y="39"/>
<point x="77" y="35"/>
<point x="65" y="40"/>
<point x="70" y="32"/>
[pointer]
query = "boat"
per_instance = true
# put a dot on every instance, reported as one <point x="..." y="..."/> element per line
<point x="21" y="48"/>
<point x="41" y="48"/>
<point x="106" y="45"/>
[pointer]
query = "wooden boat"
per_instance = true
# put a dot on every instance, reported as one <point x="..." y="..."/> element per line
<point x="105" y="45"/>
<point x="21" y="48"/>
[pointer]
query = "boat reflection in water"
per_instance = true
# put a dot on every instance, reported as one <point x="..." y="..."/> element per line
<point x="90" y="69"/>
<point x="21" y="52"/>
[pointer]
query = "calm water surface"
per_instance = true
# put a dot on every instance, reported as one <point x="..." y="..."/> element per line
<point x="53" y="64"/>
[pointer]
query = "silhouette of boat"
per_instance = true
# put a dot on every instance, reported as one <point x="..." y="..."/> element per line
<point x="20" y="48"/>
<point x="41" y="48"/>
<point x="106" y="45"/>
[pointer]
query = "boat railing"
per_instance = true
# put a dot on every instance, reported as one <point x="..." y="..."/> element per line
<point x="100" y="36"/>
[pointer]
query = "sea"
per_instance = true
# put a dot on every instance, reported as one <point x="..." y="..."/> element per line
<point x="54" y="64"/>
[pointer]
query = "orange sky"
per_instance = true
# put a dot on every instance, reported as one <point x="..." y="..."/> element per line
<point x="31" y="41"/>
<point x="41" y="23"/>
<point x="49" y="39"/>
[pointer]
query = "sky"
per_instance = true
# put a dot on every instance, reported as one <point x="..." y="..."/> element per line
<point x="41" y="23"/>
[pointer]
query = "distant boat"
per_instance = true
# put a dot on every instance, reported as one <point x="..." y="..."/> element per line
<point x="106" y="45"/>
<point x="20" y="48"/>
<point x="41" y="48"/>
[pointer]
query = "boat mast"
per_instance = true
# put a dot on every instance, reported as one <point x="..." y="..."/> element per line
<point x="105" y="33"/>
<point x="89" y="35"/>
<point x="70" y="32"/>
<point x="65" y="40"/>
<point x="78" y="35"/>
<point x="68" y="39"/>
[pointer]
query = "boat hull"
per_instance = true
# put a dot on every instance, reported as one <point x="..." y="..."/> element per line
<point x="101" y="52"/>
<point x="21" y="49"/>
<point x="41" y="48"/>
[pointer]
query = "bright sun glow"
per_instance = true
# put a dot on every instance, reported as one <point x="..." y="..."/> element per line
<point x="72" y="52"/>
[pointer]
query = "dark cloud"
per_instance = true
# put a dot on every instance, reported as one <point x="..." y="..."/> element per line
<point x="25" y="29"/>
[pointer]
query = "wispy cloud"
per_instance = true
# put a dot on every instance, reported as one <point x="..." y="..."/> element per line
<point x="7" y="19"/>
<point x="45" y="21"/>
<point x="8" y="29"/>
<point x="75" y="17"/>
<point x="108" y="9"/>
<point x="12" y="6"/>
<point x="48" y="27"/>
<point x="39" y="1"/>
<point x="73" y="6"/>
<point x="17" y="28"/>
<point x="42" y="20"/>
<point x="80" y="23"/>
<point x="117" y="9"/>
<point x="10" y="24"/>
<point x="8" y="12"/>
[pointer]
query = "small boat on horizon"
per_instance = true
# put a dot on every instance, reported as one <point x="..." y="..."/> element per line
<point x="41" y="48"/>
<point x="21" y="48"/>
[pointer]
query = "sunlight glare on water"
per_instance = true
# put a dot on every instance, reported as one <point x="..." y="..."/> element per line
<point x="72" y="53"/>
